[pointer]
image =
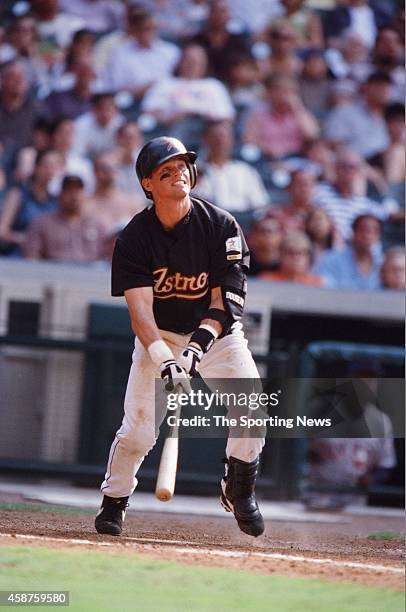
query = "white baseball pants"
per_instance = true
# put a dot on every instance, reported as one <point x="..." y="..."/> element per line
<point x="229" y="357"/>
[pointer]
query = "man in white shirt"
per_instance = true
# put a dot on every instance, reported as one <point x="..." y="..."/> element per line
<point x="190" y="93"/>
<point x="55" y="26"/>
<point x="229" y="183"/>
<point x="362" y="21"/>
<point x="142" y="60"/>
<point x="95" y="131"/>
<point x="361" y="125"/>
<point x="99" y="15"/>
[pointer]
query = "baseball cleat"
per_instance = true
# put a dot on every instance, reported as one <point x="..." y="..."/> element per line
<point x="238" y="495"/>
<point x="111" y="515"/>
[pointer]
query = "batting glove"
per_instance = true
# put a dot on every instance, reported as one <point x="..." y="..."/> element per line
<point x="190" y="359"/>
<point x="175" y="377"/>
<point x="200" y="342"/>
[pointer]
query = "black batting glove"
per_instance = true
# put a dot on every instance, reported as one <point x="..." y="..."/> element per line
<point x="174" y="377"/>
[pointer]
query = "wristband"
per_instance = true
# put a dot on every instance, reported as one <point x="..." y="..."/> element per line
<point x="209" y="328"/>
<point x="159" y="352"/>
<point x="204" y="337"/>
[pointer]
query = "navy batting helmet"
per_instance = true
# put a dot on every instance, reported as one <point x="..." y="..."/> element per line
<point x="159" y="150"/>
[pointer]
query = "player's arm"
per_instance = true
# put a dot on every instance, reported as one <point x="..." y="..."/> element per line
<point x="140" y="307"/>
<point x="226" y="308"/>
<point x="139" y="301"/>
<point x="215" y="304"/>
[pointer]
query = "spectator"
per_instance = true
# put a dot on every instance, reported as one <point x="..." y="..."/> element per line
<point x="243" y="82"/>
<point x="351" y="60"/>
<point x="189" y="17"/>
<point x="22" y="43"/>
<point x="108" y="204"/>
<point x="337" y="463"/>
<point x="392" y="273"/>
<point x="343" y="92"/>
<point x="3" y="181"/>
<point x="344" y="201"/>
<point x="18" y="112"/>
<point x="129" y="141"/>
<point x="75" y="101"/>
<point x="95" y="130"/>
<point x="361" y="126"/>
<point x="356" y="16"/>
<point x="253" y="14"/>
<point x="56" y="28"/>
<point x="178" y="101"/>
<point x="281" y="127"/>
<point x="301" y="201"/>
<point x="390" y="164"/>
<point x="22" y="205"/>
<point x="143" y="60"/>
<point x="283" y="59"/>
<point x="305" y="21"/>
<point x="295" y="262"/>
<point x="394" y="155"/>
<point x="389" y="57"/>
<point x="80" y="49"/>
<point x="320" y="228"/>
<point x="264" y="241"/>
<point x="229" y="183"/>
<point x="101" y="16"/>
<point x="222" y="45"/>
<point x="66" y="234"/>
<point x="319" y="153"/>
<point x="357" y="265"/>
<point x="40" y="141"/>
<point x="398" y="22"/>
<point x="105" y="46"/>
<point x="314" y="84"/>
<point x="62" y="140"/>
<point x="110" y="241"/>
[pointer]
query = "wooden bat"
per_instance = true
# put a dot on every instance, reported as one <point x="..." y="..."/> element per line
<point x="165" y="483"/>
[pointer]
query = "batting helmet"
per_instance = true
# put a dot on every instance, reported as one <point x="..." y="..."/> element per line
<point x="159" y="150"/>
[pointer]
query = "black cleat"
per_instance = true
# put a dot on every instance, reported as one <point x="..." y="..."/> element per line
<point x="111" y="515"/>
<point x="238" y="495"/>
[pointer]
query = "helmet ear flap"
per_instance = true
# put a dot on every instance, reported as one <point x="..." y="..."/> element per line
<point x="193" y="174"/>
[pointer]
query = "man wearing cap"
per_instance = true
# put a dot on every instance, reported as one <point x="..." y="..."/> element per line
<point x="181" y="264"/>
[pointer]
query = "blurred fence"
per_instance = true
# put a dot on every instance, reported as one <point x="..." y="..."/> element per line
<point x="65" y="350"/>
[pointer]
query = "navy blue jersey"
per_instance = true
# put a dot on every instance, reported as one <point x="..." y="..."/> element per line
<point x="182" y="265"/>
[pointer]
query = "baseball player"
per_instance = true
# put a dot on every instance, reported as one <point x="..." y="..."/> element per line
<point x="181" y="264"/>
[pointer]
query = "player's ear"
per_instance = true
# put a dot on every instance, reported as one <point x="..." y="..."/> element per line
<point x="146" y="183"/>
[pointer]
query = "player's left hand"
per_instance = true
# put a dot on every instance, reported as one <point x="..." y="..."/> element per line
<point x="190" y="359"/>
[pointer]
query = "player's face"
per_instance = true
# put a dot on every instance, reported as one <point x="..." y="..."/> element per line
<point x="170" y="180"/>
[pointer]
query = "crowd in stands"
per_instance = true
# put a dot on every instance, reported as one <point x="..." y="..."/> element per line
<point x="295" y="107"/>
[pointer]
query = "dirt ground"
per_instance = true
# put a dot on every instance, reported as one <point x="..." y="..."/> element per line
<point x="218" y="542"/>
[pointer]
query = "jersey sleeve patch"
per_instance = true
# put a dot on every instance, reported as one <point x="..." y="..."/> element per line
<point x="233" y="248"/>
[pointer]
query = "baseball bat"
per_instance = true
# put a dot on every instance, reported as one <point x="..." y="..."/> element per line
<point x="166" y="479"/>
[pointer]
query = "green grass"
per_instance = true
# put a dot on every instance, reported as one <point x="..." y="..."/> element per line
<point x="109" y="581"/>
<point x="385" y="535"/>
<point x="40" y="507"/>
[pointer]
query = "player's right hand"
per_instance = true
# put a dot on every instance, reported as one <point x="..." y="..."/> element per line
<point x="175" y="377"/>
<point x="190" y="359"/>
